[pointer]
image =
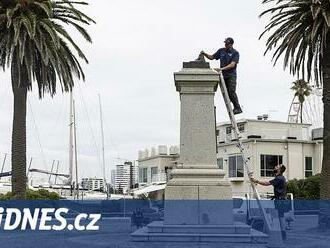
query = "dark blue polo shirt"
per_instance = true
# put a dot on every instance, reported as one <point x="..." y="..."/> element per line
<point x="279" y="184"/>
<point x="226" y="57"/>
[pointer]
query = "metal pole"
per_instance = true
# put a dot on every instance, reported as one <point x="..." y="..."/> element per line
<point x="102" y="137"/>
<point x="75" y="148"/>
<point x="51" y="170"/>
<point x="124" y="206"/>
<point x="71" y="121"/>
<point x="3" y="163"/>
<point x="28" y="172"/>
<point x="58" y="163"/>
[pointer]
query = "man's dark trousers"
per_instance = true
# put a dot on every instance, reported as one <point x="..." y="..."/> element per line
<point x="231" y="82"/>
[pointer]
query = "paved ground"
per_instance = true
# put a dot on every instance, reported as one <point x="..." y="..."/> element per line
<point x="304" y="235"/>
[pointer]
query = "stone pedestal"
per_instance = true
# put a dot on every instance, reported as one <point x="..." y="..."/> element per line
<point x="198" y="200"/>
<point x="193" y="194"/>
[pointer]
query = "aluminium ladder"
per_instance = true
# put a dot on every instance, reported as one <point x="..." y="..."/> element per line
<point x="240" y="146"/>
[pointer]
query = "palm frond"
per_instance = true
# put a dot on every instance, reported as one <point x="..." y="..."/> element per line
<point x="297" y="32"/>
<point x="37" y="47"/>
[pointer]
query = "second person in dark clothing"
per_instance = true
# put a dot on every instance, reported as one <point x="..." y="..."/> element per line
<point x="279" y="184"/>
<point x="229" y="59"/>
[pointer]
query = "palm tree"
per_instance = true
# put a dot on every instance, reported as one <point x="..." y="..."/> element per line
<point x="36" y="47"/>
<point x="299" y="30"/>
<point x="302" y="89"/>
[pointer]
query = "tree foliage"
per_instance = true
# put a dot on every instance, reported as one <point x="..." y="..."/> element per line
<point x="37" y="48"/>
<point x="299" y="31"/>
<point x="301" y="89"/>
<point x="35" y="44"/>
<point x="40" y="194"/>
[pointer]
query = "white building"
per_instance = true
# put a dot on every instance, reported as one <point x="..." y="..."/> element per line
<point x="134" y="174"/>
<point x="122" y="180"/>
<point x="126" y="176"/>
<point x="268" y="143"/>
<point x="92" y="183"/>
<point x="155" y="164"/>
<point x="113" y="177"/>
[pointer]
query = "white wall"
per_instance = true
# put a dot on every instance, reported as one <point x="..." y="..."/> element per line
<point x="160" y="162"/>
<point x="269" y="130"/>
<point x="293" y="157"/>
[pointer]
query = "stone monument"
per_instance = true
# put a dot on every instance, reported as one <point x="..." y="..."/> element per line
<point x="198" y="200"/>
<point x="197" y="184"/>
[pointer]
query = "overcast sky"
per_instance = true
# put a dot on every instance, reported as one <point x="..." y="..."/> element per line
<point x="137" y="45"/>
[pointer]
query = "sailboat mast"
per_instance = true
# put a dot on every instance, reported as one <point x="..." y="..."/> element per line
<point x="3" y="163"/>
<point x="75" y="148"/>
<point x="50" y="175"/>
<point x="71" y="140"/>
<point x="102" y="137"/>
<point x="58" y="163"/>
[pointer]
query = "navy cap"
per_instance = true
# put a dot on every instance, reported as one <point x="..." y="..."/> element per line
<point x="229" y="40"/>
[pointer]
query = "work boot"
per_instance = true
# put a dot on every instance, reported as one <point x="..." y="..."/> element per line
<point x="237" y="111"/>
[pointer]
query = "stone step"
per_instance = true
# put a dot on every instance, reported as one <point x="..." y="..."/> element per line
<point x="142" y="235"/>
<point x="236" y="228"/>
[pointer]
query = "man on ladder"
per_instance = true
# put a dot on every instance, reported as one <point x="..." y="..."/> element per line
<point x="229" y="59"/>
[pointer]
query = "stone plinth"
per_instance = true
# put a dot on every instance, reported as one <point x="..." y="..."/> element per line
<point x="193" y="194"/>
<point x="198" y="200"/>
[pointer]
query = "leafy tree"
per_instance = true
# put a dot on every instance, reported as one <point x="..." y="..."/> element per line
<point x="36" y="47"/>
<point x="299" y="32"/>
<point x="302" y="89"/>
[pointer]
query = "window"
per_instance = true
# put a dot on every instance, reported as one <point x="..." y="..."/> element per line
<point x="154" y="174"/>
<point x="220" y="163"/>
<point x="143" y="175"/>
<point x="308" y="166"/>
<point x="236" y="166"/>
<point x="241" y="128"/>
<point x="267" y="164"/>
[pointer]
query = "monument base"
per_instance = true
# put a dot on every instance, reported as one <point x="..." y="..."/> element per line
<point x="198" y="205"/>
<point x="198" y="195"/>
<point x="237" y="233"/>
<point x="198" y="208"/>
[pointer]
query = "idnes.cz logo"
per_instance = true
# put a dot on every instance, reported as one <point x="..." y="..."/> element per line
<point x="46" y="219"/>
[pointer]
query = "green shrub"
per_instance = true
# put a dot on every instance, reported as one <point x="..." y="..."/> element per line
<point x="40" y="194"/>
<point x="305" y="189"/>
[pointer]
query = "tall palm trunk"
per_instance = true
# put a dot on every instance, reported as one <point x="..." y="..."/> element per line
<point x="18" y="144"/>
<point x="325" y="174"/>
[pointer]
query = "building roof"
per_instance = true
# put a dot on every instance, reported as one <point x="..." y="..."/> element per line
<point x="264" y="121"/>
<point x="271" y="141"/>
<point x="159" y="156"/>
